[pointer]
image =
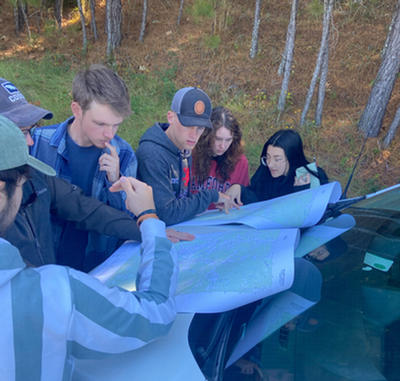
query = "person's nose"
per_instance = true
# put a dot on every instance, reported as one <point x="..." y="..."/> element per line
<point x="108" y="132"/>
<point x="194" y="133"/>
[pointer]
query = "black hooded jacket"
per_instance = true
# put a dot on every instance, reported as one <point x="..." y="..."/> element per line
<point x="31" y="232"/>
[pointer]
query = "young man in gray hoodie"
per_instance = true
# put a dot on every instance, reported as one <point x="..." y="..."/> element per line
<point x="164" y="158"/>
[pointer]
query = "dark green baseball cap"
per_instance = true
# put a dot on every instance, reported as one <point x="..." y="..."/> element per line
<point x="14" y="151"/>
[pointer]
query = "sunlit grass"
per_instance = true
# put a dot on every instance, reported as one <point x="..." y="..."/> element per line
<point x="47" y="82"/>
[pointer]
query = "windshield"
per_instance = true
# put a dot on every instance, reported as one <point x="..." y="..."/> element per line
<point x="353" y="332"/>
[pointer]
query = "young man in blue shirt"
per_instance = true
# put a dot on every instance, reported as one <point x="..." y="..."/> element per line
<point x="86" y="151"/>
<point x="46" y="196"/>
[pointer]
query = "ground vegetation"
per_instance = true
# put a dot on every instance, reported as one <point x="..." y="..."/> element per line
<point x="210" y="49"/>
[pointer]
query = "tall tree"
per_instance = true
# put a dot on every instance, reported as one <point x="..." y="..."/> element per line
<point x="113" y="22"/>
<point x="83" y="21"/>
<point x="374" y="112"/>
<point x="321" y="67"/>
<point x="18" y="16"/>
<point x="93" y="18"/>
<point x="254" y="40"/>
<point x="392" y="129"/>
<point x="287" y="59"/>
<point x="144" y="18"/>
<point x="24" y="9"/>
<point x="58" y="6"/>
<point x="180" y="12"/>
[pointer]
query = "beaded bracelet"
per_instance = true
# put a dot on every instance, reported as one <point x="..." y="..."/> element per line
<point x="147" y="211"/>
<point x="144" y="217"/>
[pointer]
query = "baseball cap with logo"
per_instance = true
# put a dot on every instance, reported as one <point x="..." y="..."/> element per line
<point x="193" y="107"/>
<point x="14" y="151"/>
<point x="15" y="107"/>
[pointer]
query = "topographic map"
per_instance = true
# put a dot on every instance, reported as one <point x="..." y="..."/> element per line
<point x="296" y="210"/>
<point x="239" y="257"/>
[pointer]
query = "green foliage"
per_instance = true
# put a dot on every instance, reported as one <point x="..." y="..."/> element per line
<point x="315" y="10"/>
<point x="200" y="9"/>
<point x="47" y="81"/>
<point x="50" y="27"/>
<point x="212" y="42"/>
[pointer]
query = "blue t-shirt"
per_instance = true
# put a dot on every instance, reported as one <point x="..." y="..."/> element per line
<point x="83" y="162"/>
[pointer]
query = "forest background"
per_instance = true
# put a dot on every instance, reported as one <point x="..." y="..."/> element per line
<point x="210" y="49"/>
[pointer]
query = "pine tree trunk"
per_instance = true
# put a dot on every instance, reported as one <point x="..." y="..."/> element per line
<point x="324" y="71"/>
<point x="374" y="112"/>
<point x="287" y="59"/>
<point x="93" y="20"/>
<point x="113" y="21"/>
<point x="254" y="40"/>
<point x="83" y="25"/>
<point x="38" y="16"/>
<point x="322" y="86"/>
<point x="180" y="12"/>
<point x="328" y="6"/>
<point x="144" y="17"/>
<point x="24" y="10"/>
<point x="392" y="129"/>
<point x="58" y="5"/>
<point x="18" y="26"/>
<point x="108" y="28"/>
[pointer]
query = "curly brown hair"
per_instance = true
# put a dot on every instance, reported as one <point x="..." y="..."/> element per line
<point x="203" y="154"/>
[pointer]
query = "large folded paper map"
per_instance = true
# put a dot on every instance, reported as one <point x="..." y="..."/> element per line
<point x="242" y="256"/>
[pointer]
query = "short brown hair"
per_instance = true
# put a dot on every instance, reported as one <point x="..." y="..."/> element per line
<point x="102" y="85"/>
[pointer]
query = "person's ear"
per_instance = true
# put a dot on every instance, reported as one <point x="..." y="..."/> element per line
<point x="171" y="117"/>
<point x="76" y="110"/>
<point x="3" y="196"/>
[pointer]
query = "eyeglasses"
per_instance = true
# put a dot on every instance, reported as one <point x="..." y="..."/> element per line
<point x="30" y="130"/>
<point x="32" y="197"/>
<point x="265" y="160"/>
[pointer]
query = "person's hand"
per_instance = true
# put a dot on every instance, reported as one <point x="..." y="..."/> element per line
<point x="139" y="196"/>
<point x="234" y="193"/>
<point x="225" y="203"/>
<point x="302" y="180"/>
<point x="110" y="163"/>
<point x="175" y="236"/>
<point x="248" y="367"/>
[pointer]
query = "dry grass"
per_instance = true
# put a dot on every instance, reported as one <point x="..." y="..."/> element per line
<point x="250" y="87"/>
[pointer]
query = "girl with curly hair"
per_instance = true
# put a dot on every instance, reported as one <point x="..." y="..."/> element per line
<point x="276" y="176"/>
<point x="218" y="159"/>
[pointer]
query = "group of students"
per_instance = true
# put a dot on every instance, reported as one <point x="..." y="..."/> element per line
<point x="94" y="203"/>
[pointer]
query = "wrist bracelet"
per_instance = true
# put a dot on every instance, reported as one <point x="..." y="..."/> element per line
<point x="146" y="217"/>
<point x="148" y="211"/>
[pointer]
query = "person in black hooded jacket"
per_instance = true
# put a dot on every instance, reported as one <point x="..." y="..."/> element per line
<point x="276" y="176"/>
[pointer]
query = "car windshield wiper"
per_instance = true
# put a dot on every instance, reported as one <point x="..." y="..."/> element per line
<point x="333" y="209"/>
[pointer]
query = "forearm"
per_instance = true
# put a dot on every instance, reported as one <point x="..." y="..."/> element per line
<point x="70" y="204"/>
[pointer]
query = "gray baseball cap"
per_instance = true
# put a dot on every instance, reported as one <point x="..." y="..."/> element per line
<point x="193" y="107"/>
<point x="15" y="107"/>
<point x="14" y="151"/>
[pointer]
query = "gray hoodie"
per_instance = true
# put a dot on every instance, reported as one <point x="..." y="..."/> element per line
<point x="166" y="169"/>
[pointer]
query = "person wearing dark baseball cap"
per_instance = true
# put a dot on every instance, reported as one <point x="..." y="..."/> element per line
<point x="164" y="158"/>
<point x="16" y="108"/>
<point x="45" y="309"/>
